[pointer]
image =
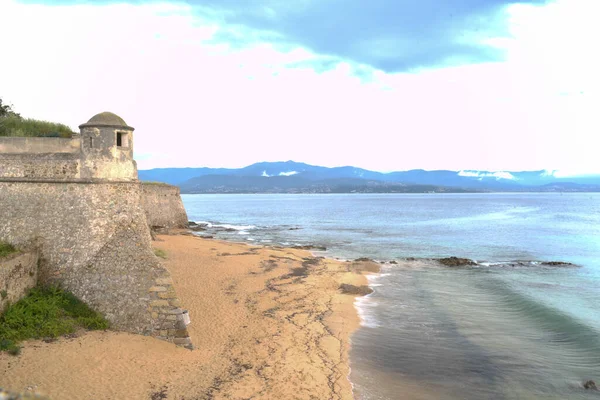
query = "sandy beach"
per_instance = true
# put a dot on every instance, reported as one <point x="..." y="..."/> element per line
<point x="266" y="323"/>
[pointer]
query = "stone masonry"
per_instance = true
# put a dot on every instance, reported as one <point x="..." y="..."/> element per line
<point x="89" y="226"/>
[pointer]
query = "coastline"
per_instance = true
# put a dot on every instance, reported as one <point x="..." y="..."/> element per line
<point x="267" y="322"/>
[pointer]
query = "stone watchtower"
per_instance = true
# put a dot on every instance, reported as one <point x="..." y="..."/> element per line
<point x="107" y="149"/>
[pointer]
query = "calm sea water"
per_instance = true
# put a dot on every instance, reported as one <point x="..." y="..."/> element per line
<point x="494" y="331"/>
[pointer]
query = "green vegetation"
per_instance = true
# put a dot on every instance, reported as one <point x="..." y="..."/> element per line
<point x="6" y="110"/>
<point x="160" y="253"/>
<point x="16" y="126"/>
<point x="12" y="124"/>
<point x="45" y="313"/>
<point x="6" y="249"/>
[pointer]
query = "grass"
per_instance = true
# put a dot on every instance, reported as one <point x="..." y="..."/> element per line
<point x="160" y="253"/>
<point x="45" y="313"/>
<point x="25" y="127"/>
<point x="6" y="249"/>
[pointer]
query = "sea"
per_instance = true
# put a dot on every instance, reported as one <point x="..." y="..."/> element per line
<point x="510" y="327"/>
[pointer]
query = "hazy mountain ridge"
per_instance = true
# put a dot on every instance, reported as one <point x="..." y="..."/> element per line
<point x="293" y="177"/>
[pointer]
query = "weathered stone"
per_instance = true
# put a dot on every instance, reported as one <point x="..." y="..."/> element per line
<point x="183" y="341"/>
<point x="79" y="201"/>
<point x="159" y="303"/>
<point x="157" y="289"/>
<point x="174" y="311"/>
<point x="171" y="317"/>
<point x="18" y="274"/>
<point x="164" y="281"/>
<point x="167" y="295"/>
<point x="163" y="206"/>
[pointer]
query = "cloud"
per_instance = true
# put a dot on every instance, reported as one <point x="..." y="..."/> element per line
<point x="390" y="35"/>
<point x="198" y="100"/>
<point x="289" y="173"/>
<point x="477" y="174"/>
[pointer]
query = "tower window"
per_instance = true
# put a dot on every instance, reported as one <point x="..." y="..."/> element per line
<point x="91" y="142"/>
<point x="119" y="139"/>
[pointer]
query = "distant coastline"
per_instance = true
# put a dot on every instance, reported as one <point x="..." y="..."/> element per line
<point x="293" y="177"/>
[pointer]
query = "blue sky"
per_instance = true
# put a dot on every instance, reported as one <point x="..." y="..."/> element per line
<point x="381" y="84"/>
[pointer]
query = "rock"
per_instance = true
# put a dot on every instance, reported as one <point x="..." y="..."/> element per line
<point x="355" y="290"/>
<point x="456" y="262"/>
<point x="393" y="262"/>
<point x="590" y="385"/>
<point x="310" y="247"/>
<point x="363" y="259"/>
<point x="558" y="264"/>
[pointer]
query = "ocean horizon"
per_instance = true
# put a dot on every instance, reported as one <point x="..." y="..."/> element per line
<point x="510" y="327"/>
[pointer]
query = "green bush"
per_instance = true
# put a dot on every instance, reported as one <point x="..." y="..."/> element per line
<point x="160" y="253"/>
<point x="6" y="249"/>
<point x="46" y="313"/>
<point x="13" y="125"/>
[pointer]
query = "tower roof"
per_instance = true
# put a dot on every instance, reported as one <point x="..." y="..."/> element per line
<point x="107" y="119"/>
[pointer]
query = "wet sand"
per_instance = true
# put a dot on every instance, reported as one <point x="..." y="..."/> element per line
<point x="266" y="323"/>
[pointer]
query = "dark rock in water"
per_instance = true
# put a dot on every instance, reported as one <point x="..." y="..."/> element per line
<point x="355" y="290"/>
<point x="363" y="259"/>
<point x="590" y="385"/>
<point x="196" y="227"/>
<point x="294" y="229"/>
<point x="456" y="262"/>
<point x="393" y="262"/>
<point x="558" y="264"/>
<point x="310" y="247"/>
<point x="410" y="259"/>
<point x="206" y="236"/>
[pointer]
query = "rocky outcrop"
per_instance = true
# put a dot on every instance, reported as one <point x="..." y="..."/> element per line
<point x="362" y="290"/>
<point x="456" y="262"/>
<point x="590" y="385"/>
<point x="558" y="264"/>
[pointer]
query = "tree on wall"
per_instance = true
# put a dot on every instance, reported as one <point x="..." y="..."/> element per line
<point x="6" y="110"/>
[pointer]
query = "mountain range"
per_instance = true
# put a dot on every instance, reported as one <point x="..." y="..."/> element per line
<point x="295" y="177"/>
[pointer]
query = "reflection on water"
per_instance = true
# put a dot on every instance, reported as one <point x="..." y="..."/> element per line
<point x="471" y="334"/>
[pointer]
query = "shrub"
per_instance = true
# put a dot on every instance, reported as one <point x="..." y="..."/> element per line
<point x="13" y="125"/>
<point x="160" y="253"/>
<point x="6" y="249"/>
<point x="46" y="313"/>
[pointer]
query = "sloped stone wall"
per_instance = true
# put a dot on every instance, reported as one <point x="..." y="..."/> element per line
<point x="163" y="206"/>
<point x="93" y="240"/>
<point x="18" y="274"/>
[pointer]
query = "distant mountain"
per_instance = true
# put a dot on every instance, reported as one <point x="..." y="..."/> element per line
<point x="293" y="177"/>
<point x="297" y="184"/>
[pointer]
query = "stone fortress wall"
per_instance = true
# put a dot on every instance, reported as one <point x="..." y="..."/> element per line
<point x="163" y="206"/>
<point x="82" y="212"/>
<point x="18" y="274"/>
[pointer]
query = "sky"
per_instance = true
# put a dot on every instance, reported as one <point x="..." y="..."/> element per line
<point x="385" y="85"/>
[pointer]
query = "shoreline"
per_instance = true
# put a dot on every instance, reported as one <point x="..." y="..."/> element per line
<point x="266" y="322"/>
